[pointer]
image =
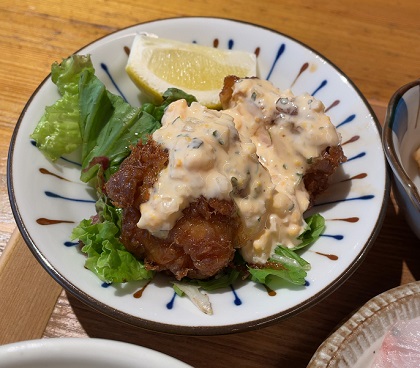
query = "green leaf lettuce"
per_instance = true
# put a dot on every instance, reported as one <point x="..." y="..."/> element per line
<point x="285" y="263"/>
<point x="106" y="255"/>
<point x="58" y="132"/>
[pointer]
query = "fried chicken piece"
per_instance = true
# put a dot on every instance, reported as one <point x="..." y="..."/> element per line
<point x="318" y="174"/>
<point x="292" y="137"/>
<point x="321" y="168"/>
<point x="225" y="94"/>
<point x="201" y="243"/>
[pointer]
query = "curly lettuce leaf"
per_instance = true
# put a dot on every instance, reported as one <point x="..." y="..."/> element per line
<point x="285" y="263"/>
<point x="315" y="227"/>
<point x="58" y="133"/>
<point x="88" y="115"/>
<point x="66" y="74"/>
<point x="106" y="255"/>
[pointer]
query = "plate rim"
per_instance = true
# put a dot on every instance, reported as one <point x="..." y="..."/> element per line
<point x="196" y="330"/>
<point x="329" y="350"/>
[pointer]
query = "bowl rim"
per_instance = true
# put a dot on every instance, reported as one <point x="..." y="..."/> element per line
<point x="73" y="351"/>
<point x="389" y="148"/>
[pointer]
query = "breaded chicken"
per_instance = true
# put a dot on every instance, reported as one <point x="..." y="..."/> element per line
<point x="202" y="241"/>
<point x="210" y="183"/>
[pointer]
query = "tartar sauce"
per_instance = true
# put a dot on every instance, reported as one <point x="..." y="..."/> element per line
<point x="254" y="152"/>
<point x="206" y="158"/>
<point x="289" y="132"/>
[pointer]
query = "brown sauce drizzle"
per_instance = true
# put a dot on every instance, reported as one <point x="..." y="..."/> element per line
<point x="302" y="69"/>
<point x="358" y="176"/>
<point x="138" y="294"/>
<point x="45" y="221"/>
<point x="333" y="257"/>
<point x="348" y="219"/>
<point x="270" y="292"/>
<point x="47" y="172"/>
<point x="351" y="140"/>
<point x="335" y="103"/>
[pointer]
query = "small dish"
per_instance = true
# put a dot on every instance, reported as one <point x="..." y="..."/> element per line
<point x="82" y="352"/>
<point x="401" y="137"/>
<point x="48" y="200"/>
<point x="356" y="342"/>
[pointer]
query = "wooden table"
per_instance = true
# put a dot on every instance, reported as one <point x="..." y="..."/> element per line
<point x="375" y="42"/>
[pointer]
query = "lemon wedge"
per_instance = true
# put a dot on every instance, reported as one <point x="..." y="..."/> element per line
<point x="156" y="64"/>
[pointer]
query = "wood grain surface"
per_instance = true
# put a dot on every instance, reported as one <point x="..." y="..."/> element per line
<point x="376" y="43"/>
<point x="26" y="310"/>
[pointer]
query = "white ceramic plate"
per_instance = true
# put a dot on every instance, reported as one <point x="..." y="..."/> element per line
<point x="46" y="207"/>
<point x="84" y="352"/>
<point x="356" y="342"/>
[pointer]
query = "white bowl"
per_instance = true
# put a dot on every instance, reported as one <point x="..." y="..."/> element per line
<point x="401" y="136"/>
<point x="82" y="352"/>
<point x="46" y="207"/>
